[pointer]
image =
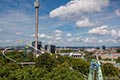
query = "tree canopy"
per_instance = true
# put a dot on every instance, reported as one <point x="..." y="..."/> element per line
<point x="48" y="67"/>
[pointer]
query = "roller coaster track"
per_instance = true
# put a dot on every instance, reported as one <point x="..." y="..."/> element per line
<point x="3" y="52"/>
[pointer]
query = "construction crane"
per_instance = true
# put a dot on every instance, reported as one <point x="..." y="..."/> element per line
<point x="95" y="72"/>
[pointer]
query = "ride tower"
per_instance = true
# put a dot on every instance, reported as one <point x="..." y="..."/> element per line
<point x="36" y="4"/>
<point x="95" y="72"/>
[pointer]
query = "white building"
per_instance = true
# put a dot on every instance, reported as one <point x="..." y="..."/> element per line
<point x="72" y="54"/>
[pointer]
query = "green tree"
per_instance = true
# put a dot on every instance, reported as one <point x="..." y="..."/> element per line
<point x="46" y="61"/>
<point x="118" y="60"/>
<point x="28" y="73"/>
<point x="6" y="70"/>
<point x="63" y="72"/>
<point x="110" y="71"/>
<point x="81" y="66"/>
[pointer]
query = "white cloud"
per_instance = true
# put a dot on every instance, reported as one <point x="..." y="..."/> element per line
<point x="57" y="35"/>
<point x="113" y="32"/>
<point x="79" y="39"/>
<point x="18" y="33"/>
<point x="90" y="40"/>
<point x="57" y="32"/>
<point x="100" y="41"/>
<point x="58" y="38"/>
<point x="1" y="30"/>
<point x="84" y="23"/>
<point x="40" y="35"/>
<point x="49" y="37"/>
<point x="99" y="30"/>
<point x="118" y="40"/>
<point x="5" y="41"/>
<point x="49" y="42"/>
<point x="68" y="34"/>
<point x="117" y="12"/>
<point x="1" y="41"/>
<point x="70" y="39"/>
<point x="33" y="35"/>
<point x="119" y="33"/>
<point x="111" y="41"/>
<point x="78" y="6"/>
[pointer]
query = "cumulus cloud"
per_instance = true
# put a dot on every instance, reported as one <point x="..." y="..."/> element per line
<point x="18" y="33"/>
<point x="78" y="6"/>
<point x="57" y="35"/>
<point x="79" y="39"/>
<point x="57" y="32"/>
<point x="117" y="12"/>
<point x="118" y="40"/>
<point x="84" y="23"/>
<point x="33" y="35"/>
<point x="40" y="35"/>
<point x="58" y="38"/>
<point x="111" y="41"/>
<point x="113" y="32"/>
<point x="68" y="34"/>
<point x="5" y="41"/>
<point x="100" y="41"/>
<point x="1" y="30"/>
<point x="49" y="37"/>
<point x="99" y="30"/>
<point x="104" y="30"/>
<point x="90" y="40"/>
<point x="119" y="33"/>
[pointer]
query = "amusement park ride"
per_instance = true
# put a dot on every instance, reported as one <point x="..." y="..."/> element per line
<point x="36" y="50"/>
<point x="95" y="72"/>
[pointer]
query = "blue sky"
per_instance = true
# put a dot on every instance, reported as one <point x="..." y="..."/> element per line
<point x="61" y="22"/>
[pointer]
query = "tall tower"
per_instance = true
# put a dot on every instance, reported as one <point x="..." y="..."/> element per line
<point x="36" y="4"/>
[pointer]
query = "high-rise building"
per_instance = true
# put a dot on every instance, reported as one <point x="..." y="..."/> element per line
<point x="39" y="44"/>
<point x="103" y="47"/>
<point x="50" y="48"/>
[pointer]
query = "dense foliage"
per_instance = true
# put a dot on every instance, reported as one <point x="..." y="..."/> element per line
<point x="110" y="72"/>
<point x="47" y="67"/>
<point x="118" y="60"/>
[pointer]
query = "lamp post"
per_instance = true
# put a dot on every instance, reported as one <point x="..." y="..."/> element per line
<point x="36" y="4"/>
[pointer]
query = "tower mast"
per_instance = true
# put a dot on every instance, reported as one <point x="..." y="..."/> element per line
<point x="36" y="4"/>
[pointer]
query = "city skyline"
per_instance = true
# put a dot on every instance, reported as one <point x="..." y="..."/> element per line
<point x="61" y="22"/>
